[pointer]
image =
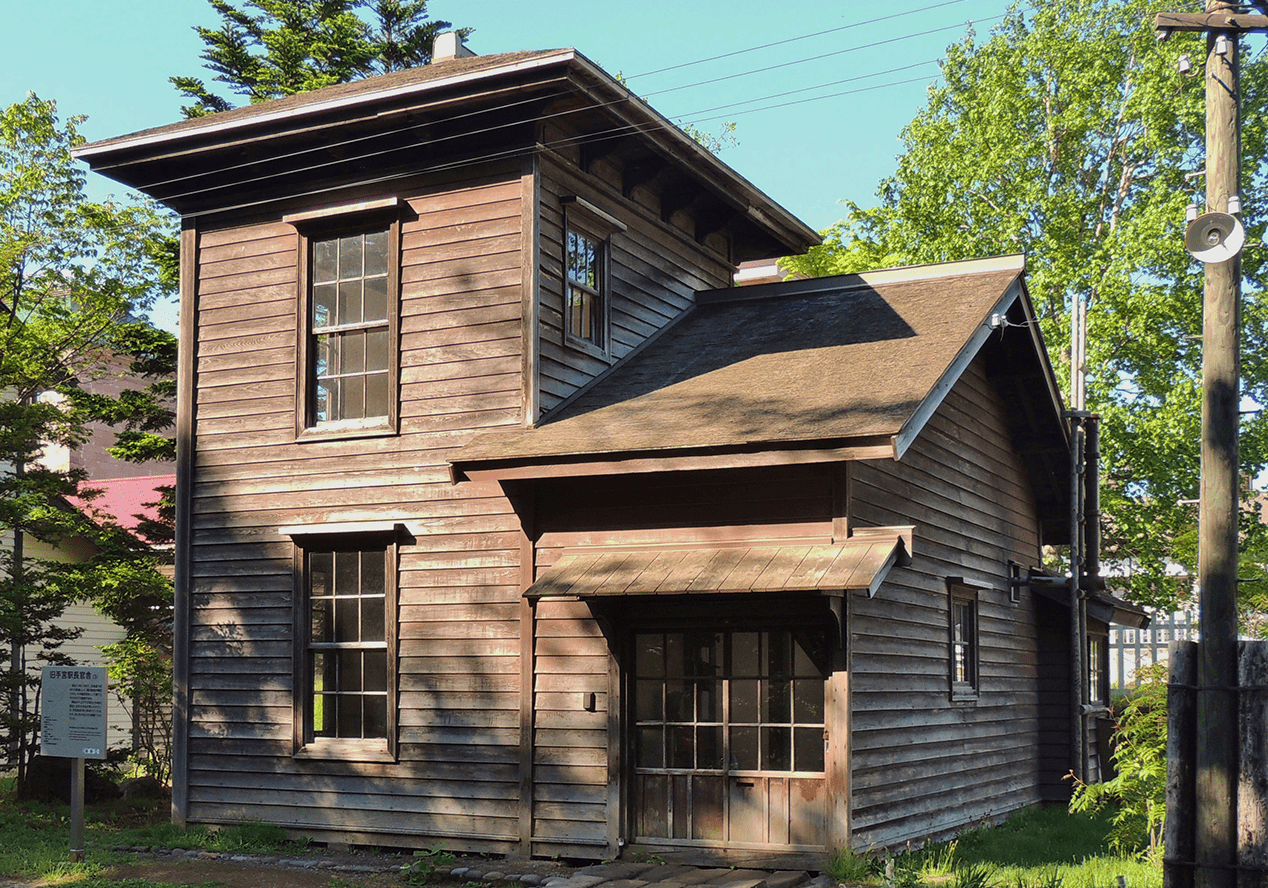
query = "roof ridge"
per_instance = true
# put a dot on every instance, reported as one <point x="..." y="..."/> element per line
<point x="1015" y="262"/>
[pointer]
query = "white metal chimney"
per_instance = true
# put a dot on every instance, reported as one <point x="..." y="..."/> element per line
<point x="449" y="45"/>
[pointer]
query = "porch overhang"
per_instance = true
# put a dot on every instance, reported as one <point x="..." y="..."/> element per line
<point x="858" y="563"/>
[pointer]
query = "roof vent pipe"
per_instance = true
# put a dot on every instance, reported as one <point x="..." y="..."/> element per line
<point x="449" y="45"/>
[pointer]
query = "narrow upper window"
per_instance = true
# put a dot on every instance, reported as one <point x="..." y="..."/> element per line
<point x="1097" y="651"/>
<point x="963" y="643"/>
<point x="588" y="234"/>
<point x="346" y="361"/>
<point x="586" y="299"/>
<point x="350" y="327"/>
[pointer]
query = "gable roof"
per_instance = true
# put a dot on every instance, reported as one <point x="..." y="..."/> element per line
<point x="832" y="368"/>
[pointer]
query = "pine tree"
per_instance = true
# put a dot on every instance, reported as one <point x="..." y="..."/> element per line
<point x="265" y="49"/>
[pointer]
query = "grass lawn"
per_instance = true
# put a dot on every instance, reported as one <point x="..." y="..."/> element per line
<point x="1041" y="848"/>
<point x="1036" y="848"/>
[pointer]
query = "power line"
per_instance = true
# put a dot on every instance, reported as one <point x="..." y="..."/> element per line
<point x="738" y="52"/>
<point x="825" y="55"/>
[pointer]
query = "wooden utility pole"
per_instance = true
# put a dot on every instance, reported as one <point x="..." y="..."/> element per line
<point x="1217" y="739"/>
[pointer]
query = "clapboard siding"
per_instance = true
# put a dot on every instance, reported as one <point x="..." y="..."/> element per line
<point x="458" y="580"/>
<point x="653" y="275"/>
<point x="921" y="764"/>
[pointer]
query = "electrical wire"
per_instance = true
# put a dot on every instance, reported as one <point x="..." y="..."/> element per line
<point x="826" y="55"/>
<point x="739" y="52"/>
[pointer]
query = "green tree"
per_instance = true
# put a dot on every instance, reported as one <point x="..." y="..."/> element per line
<point x="74" y="275"/>
<point x="265" y="49"/>
<point x="1069" y="135"/>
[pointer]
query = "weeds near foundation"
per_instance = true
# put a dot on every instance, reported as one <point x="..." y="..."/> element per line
<point x="425" y="865"/>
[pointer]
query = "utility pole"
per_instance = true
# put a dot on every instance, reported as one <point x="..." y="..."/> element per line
<point x="1215" y="836"/>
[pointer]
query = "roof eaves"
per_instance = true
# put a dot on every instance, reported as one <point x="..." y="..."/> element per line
<point x="165" y="134"/>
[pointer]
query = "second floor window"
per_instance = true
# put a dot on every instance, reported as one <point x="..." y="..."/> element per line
<point x="350" y="330"/>
<point x="585" y="306"/>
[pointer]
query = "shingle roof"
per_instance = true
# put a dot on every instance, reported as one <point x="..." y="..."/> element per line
<point x="852" y="357"/>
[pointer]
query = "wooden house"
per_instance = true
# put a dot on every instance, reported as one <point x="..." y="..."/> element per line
<point x="507" y="524"/>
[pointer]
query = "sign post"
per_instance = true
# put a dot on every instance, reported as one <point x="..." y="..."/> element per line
<point x="73" y="725"/>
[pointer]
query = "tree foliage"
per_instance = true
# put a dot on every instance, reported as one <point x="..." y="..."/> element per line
<point x="74" y="276"/>
<point x="1069" y="135"/>
<point x="265" y="49"/>
<point x="1137" y="793"/>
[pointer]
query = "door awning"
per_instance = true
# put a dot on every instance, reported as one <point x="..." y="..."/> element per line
<point x="860" y="562"/>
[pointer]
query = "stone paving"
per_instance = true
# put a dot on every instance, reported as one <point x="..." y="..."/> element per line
<point x="619" y="874"/>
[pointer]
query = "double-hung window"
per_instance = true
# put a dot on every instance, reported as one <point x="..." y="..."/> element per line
<point x="588" y="233"/>
<point x="964" y="641"/>
<point x="345" y="671"/>
<point x="347" y="356"/>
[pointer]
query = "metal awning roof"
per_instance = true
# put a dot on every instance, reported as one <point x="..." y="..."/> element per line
<point x="860" y="562"/>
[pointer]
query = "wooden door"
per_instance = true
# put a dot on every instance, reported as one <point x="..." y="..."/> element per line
<point x="729" y="738"/>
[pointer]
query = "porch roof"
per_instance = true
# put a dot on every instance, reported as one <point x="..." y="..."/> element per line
<point x="860" y="562"/>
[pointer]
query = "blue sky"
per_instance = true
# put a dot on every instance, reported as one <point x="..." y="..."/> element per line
<point x="110" y="60"/>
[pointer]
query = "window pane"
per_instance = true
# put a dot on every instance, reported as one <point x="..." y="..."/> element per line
<point x="376" y="349"/>
<point x="325" y="260"/>
<point x="681" y="746"/>
<point x="777" y="749"/>
<point x="709" y="746"/>
<point x="708" y="697"/>
<point x="809" y="749"/>
<point x="744" y="653"/>
<point x="373" y="573"/>
<point x="648" y="705"/>
<point x="776" y="700"/>
<point x="325" y="298"/>
<point x="353" y="351"/>
<point x="744" y="749"/>
<point x="376" y="394"/>
<point x="808" y="700"/>
<point x="375" y="299"/>
<point x="349" y="302"/>
<point x="744" y="700"/>
<point x="323" y="629"/>
<point x="376" y="253"/>
<point x="649" y="655"/>
<point x="350" y="675"/>
<point x="347" y="620"/>
<point x="348" y="717"/>
<point x="810" y="654"/>
<point x="678" y="701"/>
<point x="372" y="625"/>
<point x="651" y="747"/>
<point x="375" y="716"/>
<point x="778" y="654"/>
<point x="674" y="655"/>
<point x="350" y="252"/>
<point x="353" y="397"/>
<point x="375" y="670"/>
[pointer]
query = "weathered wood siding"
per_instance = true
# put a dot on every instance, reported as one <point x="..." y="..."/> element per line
<point x="923" y="765"/>
<point x="577" y="771"/>
<point x="459" y="584"/>
<point x="655" y="270"/>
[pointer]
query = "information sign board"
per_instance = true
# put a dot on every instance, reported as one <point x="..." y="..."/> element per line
<point x="73" y="712"/>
